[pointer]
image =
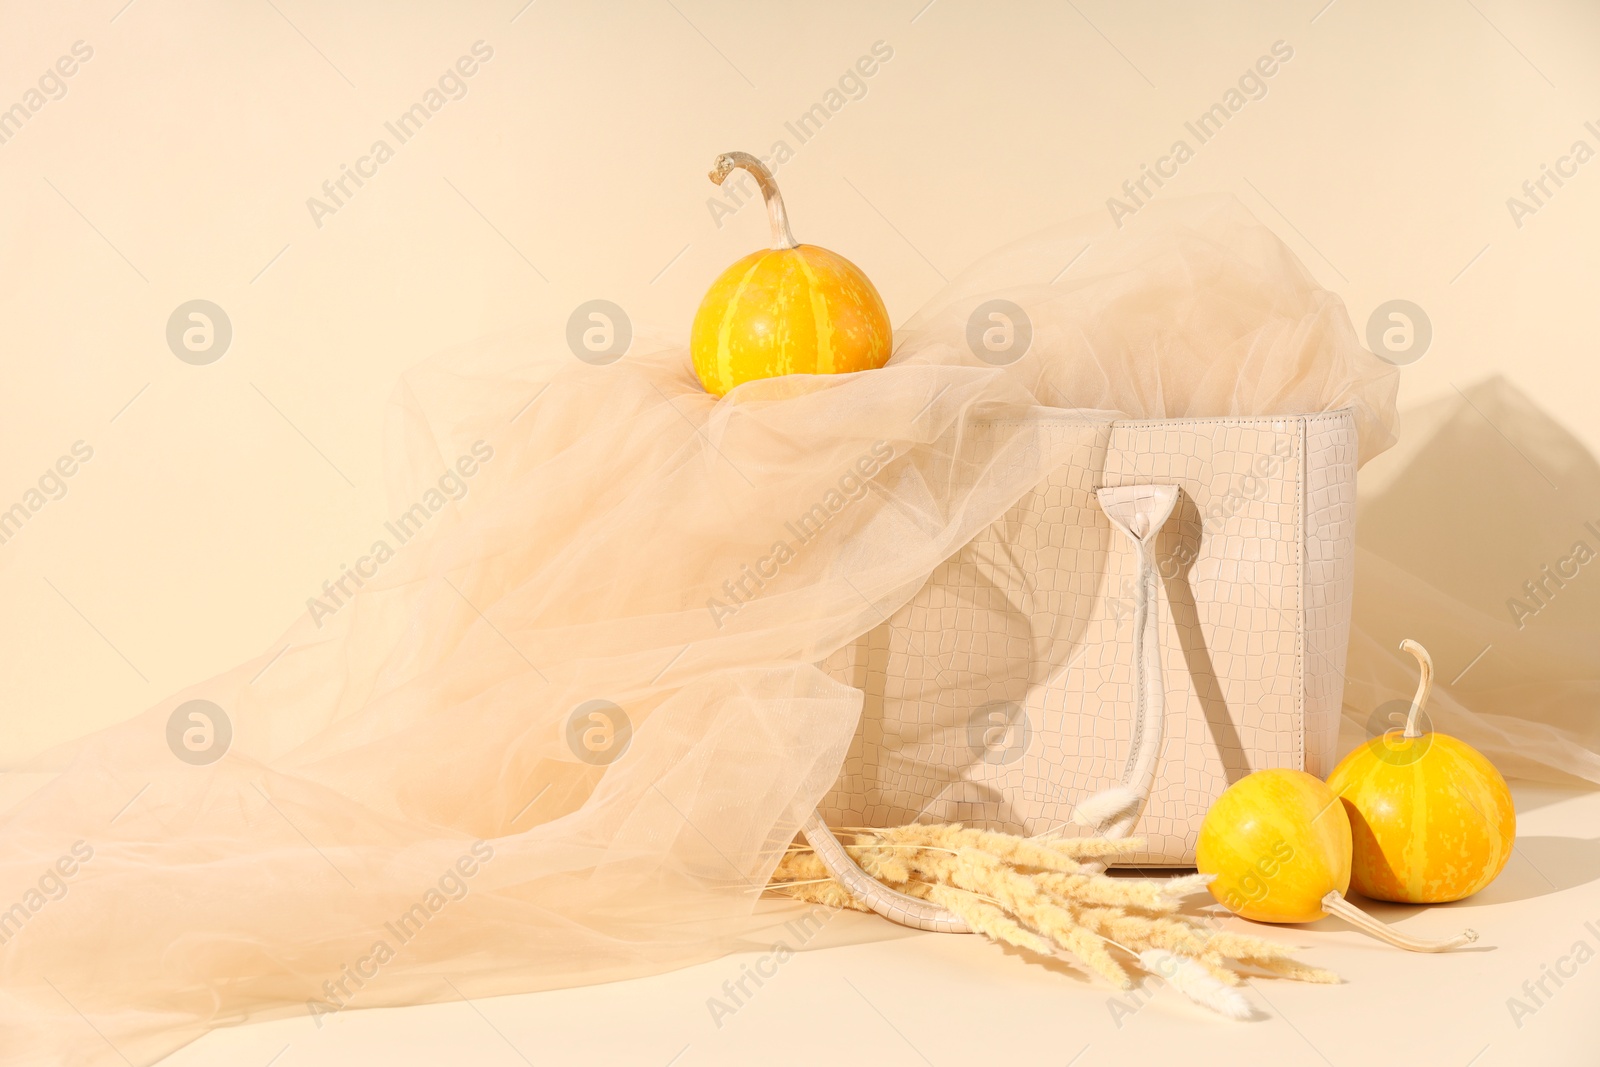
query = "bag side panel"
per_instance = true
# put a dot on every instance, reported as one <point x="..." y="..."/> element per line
<point x="1330" y="475"/>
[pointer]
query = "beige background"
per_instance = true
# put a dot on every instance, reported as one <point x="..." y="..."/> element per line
<point x="179" y="161"/>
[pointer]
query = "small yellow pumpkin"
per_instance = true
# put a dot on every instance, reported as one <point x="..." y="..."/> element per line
<point x="1277" y="845"/>
<point x="1432" y="819"/>
<point x="788" y="309"/>
<point x="1278" y="842"/>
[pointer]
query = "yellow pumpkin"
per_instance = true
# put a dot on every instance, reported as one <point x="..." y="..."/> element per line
<point x="1432" y="819"/>
<point x="788" y="309"/>
<point x="1277" y="844"/>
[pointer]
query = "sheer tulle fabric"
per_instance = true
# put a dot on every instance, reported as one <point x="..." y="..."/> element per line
<point x="407" y="812"/>
<point x="431" y="712"/>
<point x="1193" y="308"/>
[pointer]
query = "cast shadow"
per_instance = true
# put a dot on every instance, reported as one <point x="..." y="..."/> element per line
<point x="1540" y="866"/>
<point x="1178" y="547"/>
<point x="1469" y="515"/>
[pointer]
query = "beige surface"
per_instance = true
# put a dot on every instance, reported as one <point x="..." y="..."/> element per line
<point x="955" y="999"/>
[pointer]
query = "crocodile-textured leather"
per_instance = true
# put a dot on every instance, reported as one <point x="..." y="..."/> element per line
<point x="1001" y="694"/>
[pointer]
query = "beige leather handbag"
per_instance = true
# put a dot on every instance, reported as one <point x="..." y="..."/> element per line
<point x="1159" y="617"/>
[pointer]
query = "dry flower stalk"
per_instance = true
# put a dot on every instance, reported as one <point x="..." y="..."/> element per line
<point x="1045" y="895"/>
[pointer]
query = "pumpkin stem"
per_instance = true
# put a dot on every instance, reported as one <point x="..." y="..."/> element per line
<point x="1335" y="904"/>
<point x="728" y="162"/>
<point x="1424" y="685"/>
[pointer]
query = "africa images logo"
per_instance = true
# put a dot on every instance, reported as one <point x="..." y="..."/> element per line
<point x="806" y="528"/>
<point x="453" y="484"/>
<point x="1252" y="85"/>
<point x="451" y="85"/>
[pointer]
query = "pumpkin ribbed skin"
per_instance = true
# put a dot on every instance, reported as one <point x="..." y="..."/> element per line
<point x="1432" y="820"/>
<point x="801" y="310"/>
<point x="1278" y="841"/>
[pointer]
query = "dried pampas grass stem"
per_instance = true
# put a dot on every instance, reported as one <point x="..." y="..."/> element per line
<point x="1047" y="896"/>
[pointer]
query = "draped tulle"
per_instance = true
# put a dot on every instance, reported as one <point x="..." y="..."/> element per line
<point x="415" y="804"/>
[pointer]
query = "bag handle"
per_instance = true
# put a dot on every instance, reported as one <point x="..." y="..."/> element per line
<point x="892" y="904"/>
<point x="1139" y="511"/>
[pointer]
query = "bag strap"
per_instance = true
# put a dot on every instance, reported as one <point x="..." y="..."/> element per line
<point x="1139" y="511"/>
<point x="892" y="904"/>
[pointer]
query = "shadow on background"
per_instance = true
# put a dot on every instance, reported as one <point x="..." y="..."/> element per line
<point x="1479" y="536"/>
<point x="1542" y="865"/>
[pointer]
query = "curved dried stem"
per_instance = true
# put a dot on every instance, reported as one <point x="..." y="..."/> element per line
<point x="728" y="162"/>
<point x="1335" y="904"/>
<point x="1424" y="685"/>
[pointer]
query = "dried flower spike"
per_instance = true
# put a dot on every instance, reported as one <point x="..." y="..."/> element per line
<point x="1047" y="896"/>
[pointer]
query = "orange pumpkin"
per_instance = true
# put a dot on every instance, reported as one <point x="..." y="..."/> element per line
<point x="1431" y="819"/>
<point x="788" y="309"/>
